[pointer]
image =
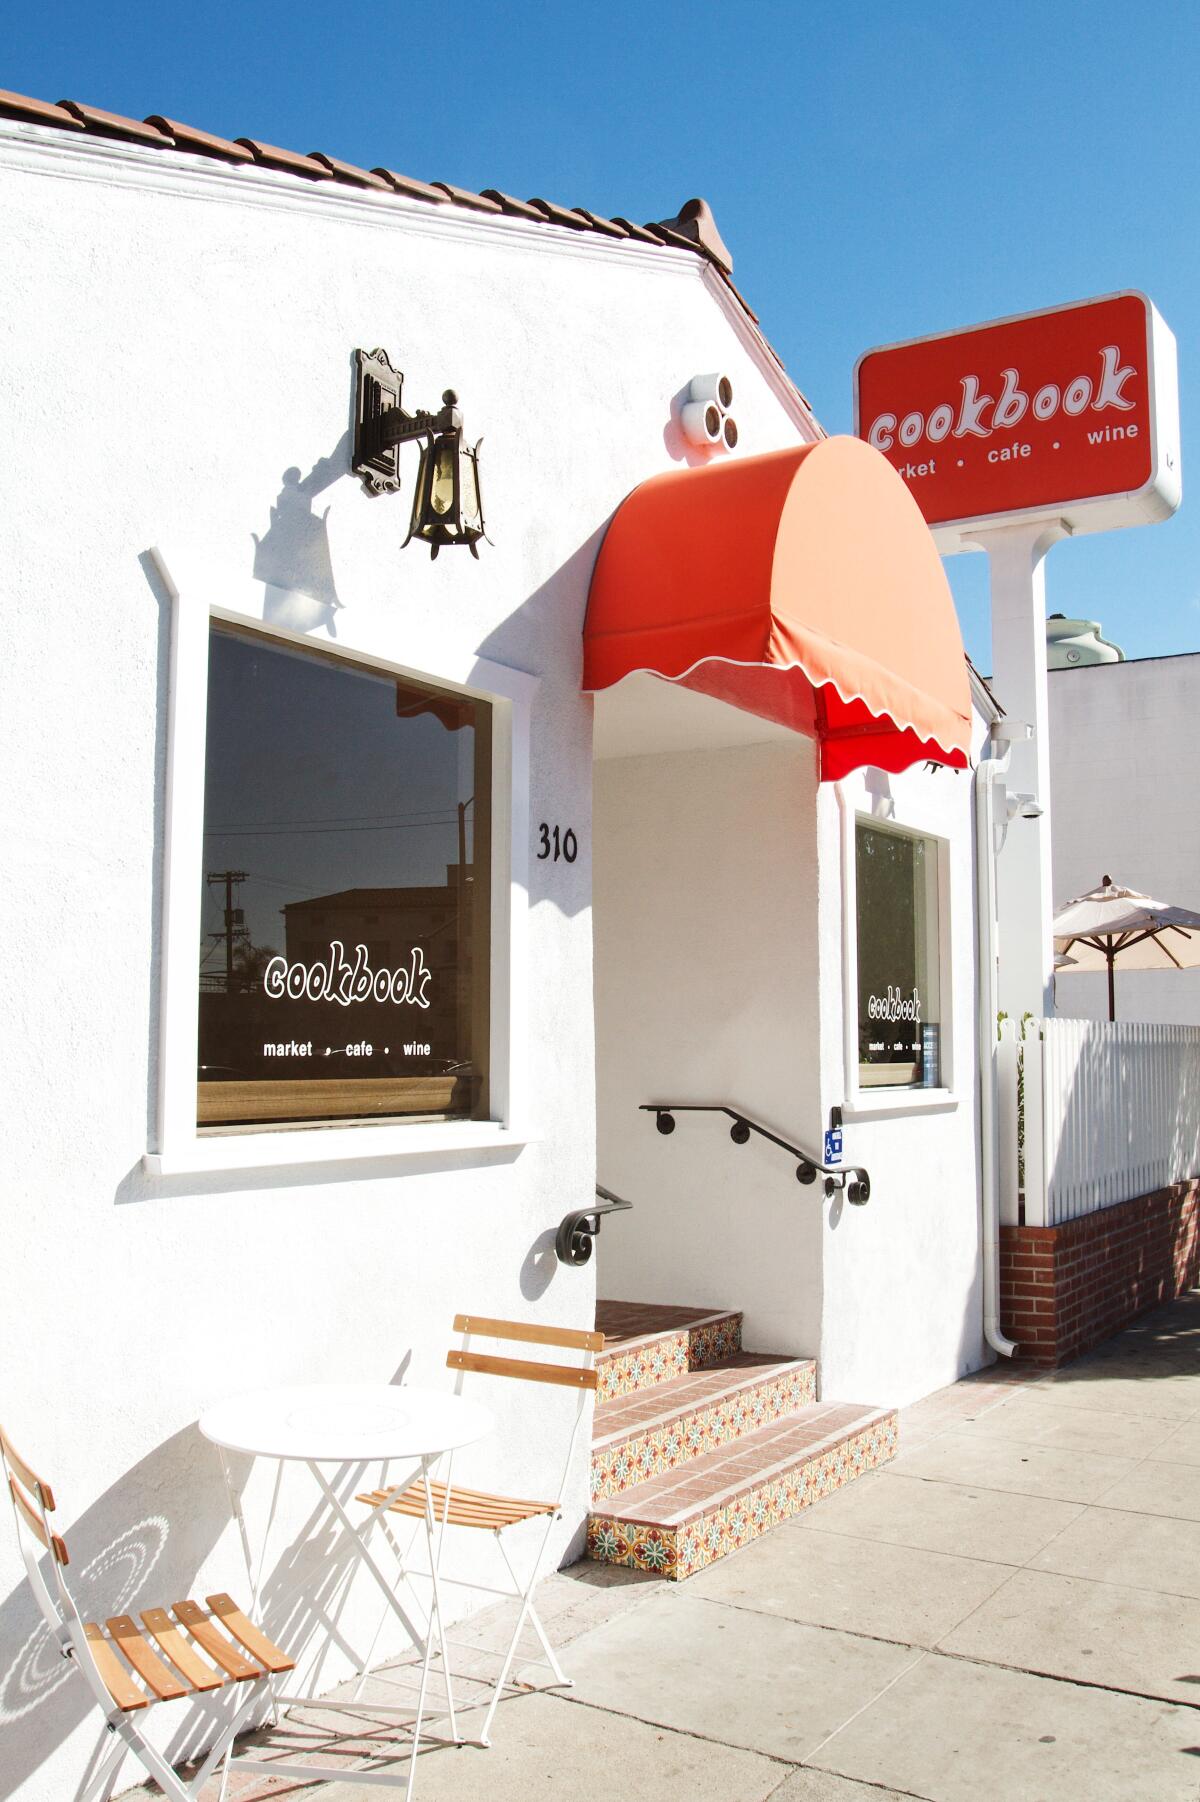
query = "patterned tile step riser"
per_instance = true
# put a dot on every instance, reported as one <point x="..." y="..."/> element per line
<point x="667" y="1356"/>
<point x="679" y="1552"/>
<point x="637" y="1459"/>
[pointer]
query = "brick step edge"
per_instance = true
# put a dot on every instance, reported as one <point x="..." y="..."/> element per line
<point x="661" y="1357"/>
<point x="764" y="1394"/>
<point x="677" y="1552"/>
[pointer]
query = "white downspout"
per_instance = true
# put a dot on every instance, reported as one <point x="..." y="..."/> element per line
<point x="989" y="774"/>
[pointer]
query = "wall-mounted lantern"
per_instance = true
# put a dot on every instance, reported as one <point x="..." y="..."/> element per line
<point x="447" y="506"/>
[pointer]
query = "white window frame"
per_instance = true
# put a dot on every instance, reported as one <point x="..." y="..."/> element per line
<point x="872" y="1103"/>
<point x="179" y="1147"/>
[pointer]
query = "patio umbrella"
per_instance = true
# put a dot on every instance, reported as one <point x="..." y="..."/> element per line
<point x="1111" y="922"/>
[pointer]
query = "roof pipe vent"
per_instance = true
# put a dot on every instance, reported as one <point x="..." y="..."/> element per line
<point x="704" y="418"/>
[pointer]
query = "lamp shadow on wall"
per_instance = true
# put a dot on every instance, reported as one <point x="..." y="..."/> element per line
<point x="538" y="635"/>
<point x="292" y="559"/>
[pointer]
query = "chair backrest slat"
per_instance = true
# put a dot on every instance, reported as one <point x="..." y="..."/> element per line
<point x="568" y="1338"/>
<point x="29" y="1477"/>
<point x="567" y="1375"/>
<point x="33" y="1521"/>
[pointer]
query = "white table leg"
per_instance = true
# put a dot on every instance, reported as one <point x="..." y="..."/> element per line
<point x="380" y="1514"/>
<point x="254" y="1576"/>
<point x="434" y="1532"/>
<point x="418" y="1638"/>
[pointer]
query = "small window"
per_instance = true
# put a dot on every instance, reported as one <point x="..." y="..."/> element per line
<point x="899" y="959"/>
<point x="346" y="909"/>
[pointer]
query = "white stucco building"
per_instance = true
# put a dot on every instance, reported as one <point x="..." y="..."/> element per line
<point x="229" y="691"/>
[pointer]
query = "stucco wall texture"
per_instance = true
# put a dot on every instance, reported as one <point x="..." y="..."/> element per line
<point x="902" y="1306"/>
<point x="719" y="952"/>
<point x="175" y="338"/>
<point x="707" y="991"/>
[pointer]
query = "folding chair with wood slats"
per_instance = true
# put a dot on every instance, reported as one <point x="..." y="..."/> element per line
<point x="124" y="1670"/>
<point x="484" y="1511"/>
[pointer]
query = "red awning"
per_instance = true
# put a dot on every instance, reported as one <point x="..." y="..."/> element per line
<point x="802" y="586"/>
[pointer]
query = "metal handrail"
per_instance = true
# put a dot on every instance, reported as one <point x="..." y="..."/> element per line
<point x="853" y="1178"/>
<point x="577" y="1232"/>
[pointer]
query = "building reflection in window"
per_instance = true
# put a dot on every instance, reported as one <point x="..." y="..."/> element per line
<point x="344" y="956"/>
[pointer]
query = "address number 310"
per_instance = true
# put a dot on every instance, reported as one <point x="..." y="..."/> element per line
<point x="555" y="844"/>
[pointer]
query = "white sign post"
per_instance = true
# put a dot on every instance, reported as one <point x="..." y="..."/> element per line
<point x="1024" y="886"/>
<point x="1012" y="435"/>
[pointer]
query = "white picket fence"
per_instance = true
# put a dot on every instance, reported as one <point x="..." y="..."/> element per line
<point x="1091" y="1114"/>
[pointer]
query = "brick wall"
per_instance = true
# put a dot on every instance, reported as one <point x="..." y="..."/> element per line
<point x="1064" y="1288"/>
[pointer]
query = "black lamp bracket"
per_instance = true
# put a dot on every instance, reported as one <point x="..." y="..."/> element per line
<point x="381" y="424"/>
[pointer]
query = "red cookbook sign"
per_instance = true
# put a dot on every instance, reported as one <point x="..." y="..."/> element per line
<point x="1030" y="416"/>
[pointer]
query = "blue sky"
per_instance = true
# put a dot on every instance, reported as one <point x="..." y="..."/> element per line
<point x="878" y="170"/>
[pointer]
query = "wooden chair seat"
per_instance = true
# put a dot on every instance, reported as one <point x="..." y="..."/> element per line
<point x="482" y="1508"/>
<point x="121" y="1652"/>
<point x="175" y="1654"/>
<point x="468" y="1507"/>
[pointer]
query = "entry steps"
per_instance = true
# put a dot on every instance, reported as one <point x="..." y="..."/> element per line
<point x="698" y="1447"/>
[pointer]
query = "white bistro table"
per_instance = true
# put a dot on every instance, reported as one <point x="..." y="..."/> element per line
<point x="350" y="1424"/>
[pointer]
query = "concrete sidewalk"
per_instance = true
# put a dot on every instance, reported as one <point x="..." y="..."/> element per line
<point x="1007" y="1613"/>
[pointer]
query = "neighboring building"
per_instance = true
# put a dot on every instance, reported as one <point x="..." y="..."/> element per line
<point x="427" y="933"/>
<point x="1121" y="735"/>
<point x="229" y="690"/>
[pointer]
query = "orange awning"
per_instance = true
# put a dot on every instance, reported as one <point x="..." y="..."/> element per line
<point x="802" y="586"/>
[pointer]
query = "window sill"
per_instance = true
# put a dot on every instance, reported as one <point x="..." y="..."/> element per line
<point x="899" y="1102"/>
<point x="331" y="1145"/>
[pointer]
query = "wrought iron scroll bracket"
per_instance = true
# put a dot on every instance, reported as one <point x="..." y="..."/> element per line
<point x="577" y="1232"/>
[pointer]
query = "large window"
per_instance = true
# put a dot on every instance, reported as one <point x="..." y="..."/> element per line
<point x="345" y="926"/>
<point x="899" y="998"/>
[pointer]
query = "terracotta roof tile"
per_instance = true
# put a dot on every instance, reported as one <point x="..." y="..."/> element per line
<point x="745" y="306"/>
<point x="637" y="232"/>
<point x="694" y="223"/>
<point x="667" y="235"/>
<point x="559" y="215"/>
<point x="290" y="161"/>
<point x="350" y="173"/>
<point x="520" y="209"/>
<point x="607" y="227"/>
<point x="187" y="137"/>
<point x="114" y="125"/>
<point x="467" y="197"/>
<point x="39" y="112"/>
<point x="693" y="228"/>
<point x="416" y="190"/>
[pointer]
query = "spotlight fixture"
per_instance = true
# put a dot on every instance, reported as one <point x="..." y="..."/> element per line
<point x="447" y="506"/>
